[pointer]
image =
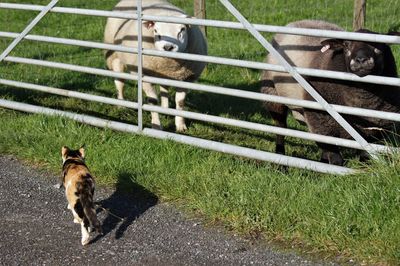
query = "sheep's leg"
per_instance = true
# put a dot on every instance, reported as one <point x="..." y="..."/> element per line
<point x="152" y="99"/>
<point x="321" y="123"/>
<point x="364" y="156"/>
<point x="164" y="97"/>
<point x="330" y="154"/>
<point x="119" y="83"/>
<point x="180" y="103"/>
<point x="279" y="114"/>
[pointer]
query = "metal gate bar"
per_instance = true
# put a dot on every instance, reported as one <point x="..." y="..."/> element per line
<point x="286" y="132"/>
<point x="214" y="119"/>
<point x="28" y="28"/>
<point x="214" y="23"/>
<point x="212" y="89"/>
<point x="68" y="93"/>
<point x="201" y="143"/>
<point x="201" y="117"/>
<point x="213" y="59"/>
<point x="334" y="114"/>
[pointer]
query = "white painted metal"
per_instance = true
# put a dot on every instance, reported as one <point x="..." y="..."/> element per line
<point x="214" y="23"/>
<point x="68" y="93"/>
<point x="213" y="59"/>
<point x="196" y="116"/>
<point x="265" y="128"/>
<point x="207" y="144"/>
<point x="208" y="88"/>
<point x="28" y="28"/>
<point x="90" y="120"/>
<point x="292" y="71"/>
<point x="214" y="89"/>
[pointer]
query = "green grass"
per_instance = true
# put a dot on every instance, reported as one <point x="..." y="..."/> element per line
<point x="353" y="217"/>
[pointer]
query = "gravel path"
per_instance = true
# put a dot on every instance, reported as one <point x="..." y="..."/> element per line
<point x="37" y="229"/>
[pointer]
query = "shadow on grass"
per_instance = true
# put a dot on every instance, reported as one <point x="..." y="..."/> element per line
<point x="124" y="206"/>
<point x="218" y="104"/>
<point x="103" y="111"/>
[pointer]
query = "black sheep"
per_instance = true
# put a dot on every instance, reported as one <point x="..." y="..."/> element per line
<point x="357" y="57"/>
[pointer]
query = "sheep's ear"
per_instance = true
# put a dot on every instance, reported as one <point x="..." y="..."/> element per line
<point x="148" y="24"/>
<point x="333" y="44"/>
<point x="187" y="16"/>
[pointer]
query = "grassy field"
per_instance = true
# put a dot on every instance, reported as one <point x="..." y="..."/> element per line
<point x="353" y="217"/>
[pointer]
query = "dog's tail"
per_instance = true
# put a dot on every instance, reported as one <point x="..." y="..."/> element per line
<point x="85" y="190"/>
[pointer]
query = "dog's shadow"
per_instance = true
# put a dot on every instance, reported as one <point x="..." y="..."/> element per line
<point x="124" y="206"/>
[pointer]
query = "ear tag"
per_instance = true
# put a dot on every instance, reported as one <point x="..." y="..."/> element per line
<point x="325" y="48"/>
<point x="148" y="24"/>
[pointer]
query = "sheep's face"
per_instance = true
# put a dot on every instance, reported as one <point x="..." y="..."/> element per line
<point x="169" y="37"/>
<point x="362" y="58"/>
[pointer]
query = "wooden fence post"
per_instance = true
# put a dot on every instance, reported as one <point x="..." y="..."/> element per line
<point x="360" y="8"/>
<point x="200" y="12"/>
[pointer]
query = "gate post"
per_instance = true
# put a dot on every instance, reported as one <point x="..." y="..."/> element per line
<point x="200" y="12"/>
<point x="360" y="8"/>
<point x="140" y="65"/>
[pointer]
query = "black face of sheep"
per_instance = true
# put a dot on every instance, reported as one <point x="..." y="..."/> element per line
<point x="362" y="58"/>
<point x="359" y="58"/>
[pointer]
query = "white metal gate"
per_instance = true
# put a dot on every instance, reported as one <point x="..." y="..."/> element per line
<point x="334" y="110"/>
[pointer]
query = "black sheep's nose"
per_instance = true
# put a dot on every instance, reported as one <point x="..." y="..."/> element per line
<point x="361" y="59"/>
<point x="168" y="47"/>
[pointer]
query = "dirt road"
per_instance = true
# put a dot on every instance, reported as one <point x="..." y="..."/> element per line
<point x="37" y="229"/>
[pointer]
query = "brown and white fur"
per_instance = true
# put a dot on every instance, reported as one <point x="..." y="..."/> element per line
<point x="79" y="189"/>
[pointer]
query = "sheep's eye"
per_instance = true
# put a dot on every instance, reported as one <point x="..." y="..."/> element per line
<point x="377" y="51"/>
<point x="155" y="31"/>
<point x="180" y="34"/>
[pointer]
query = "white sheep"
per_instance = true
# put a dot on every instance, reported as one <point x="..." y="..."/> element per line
<point x="298" y="51"/>
<point x="159" y="36"/>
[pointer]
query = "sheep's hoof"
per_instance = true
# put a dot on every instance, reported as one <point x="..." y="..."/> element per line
<point x="181" y="128"/>
<point x="280" y="149"/>
<point x="336" y="160"/>
<point x="155" y="126"/>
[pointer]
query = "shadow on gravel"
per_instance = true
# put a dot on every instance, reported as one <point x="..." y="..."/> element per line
<point x="127" y="203"/>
